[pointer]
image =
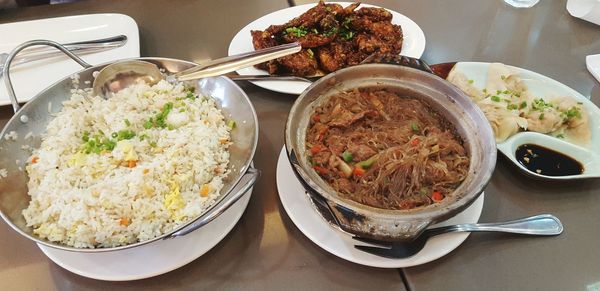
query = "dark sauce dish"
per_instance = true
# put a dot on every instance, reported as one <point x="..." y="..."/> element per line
<point x="547" y="162"/>
<point x="545" y="157"/>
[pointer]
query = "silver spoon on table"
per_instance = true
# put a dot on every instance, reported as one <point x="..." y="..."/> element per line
<point x="120" y="75"/>
<point x="543" y="224"/>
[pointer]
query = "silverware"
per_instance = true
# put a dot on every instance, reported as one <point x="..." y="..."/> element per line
<point x="543" y="224"/>
<point x="119" y="75"/>
<point x="82" y="47"/>
<point x="373" y="58"/>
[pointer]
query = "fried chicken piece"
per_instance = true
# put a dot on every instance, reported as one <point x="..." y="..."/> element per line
<point x="299" y="64"/>
<point x="261" y="40"/>
<point x="374" y="14"/>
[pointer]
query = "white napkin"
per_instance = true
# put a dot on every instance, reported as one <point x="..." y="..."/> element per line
<point x="593" y="65"/>
<point x="588" y="10"/>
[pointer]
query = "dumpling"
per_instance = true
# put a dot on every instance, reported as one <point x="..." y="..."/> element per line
<point x="503" y="122"/>
<point x="462" y="82"/>
<point x="544" y="120"/>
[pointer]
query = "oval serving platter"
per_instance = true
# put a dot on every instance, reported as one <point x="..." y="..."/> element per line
<point x="588" y="154"/>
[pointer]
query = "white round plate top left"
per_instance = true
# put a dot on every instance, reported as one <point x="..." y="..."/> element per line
<point x="300" y="210"/>
<point x="31" y="78"/>
<point x="413" y="44"/>
<point x="151" y="259"/>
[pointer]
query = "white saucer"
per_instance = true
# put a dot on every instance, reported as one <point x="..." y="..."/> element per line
<point x="306" y="218"/>
<point x="151" y="259"/>
<point x="31" y="78"/>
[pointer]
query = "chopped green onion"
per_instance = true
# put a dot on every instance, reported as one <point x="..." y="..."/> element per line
<point x="231" y="124"/>
<point x="127" y="122"/>
<point x="523" y="105"/>
<point x="471" y="81"/>
<point x="311" y="53"/>
<point x="153" y="144"/>
<point x="114" y="135"/>
<point x="367" y="163"/>
<point x="347" y="156"/>
<point x="495" y="98"/>
<point x="512" y="106"/>
<point x="560" y="136"/>
<point x="414" y="126"/>
<point x="541" y="116"/>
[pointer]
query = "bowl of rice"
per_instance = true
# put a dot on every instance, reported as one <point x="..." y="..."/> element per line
<point x="88" y="174"/>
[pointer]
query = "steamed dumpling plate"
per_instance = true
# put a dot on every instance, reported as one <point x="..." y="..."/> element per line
<point x="524" y="107"/>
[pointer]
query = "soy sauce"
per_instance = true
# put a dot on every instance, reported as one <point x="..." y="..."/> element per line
<point x="547" y="162"/>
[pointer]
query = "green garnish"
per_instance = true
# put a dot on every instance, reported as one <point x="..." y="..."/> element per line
<point x="540" y="104"/>
<point x="331" y="32"/>
<point x="572" y="112"/>
<point x="190" y="95"/>
<point x="310" y="52"/>
<point x="152" y="144"/>
<point x="560" y="135"/>
<point x="523" y="105"/>
<point x="367" y="163"/>
<point x="347" y="34"/>
<point x="298" y="31"/>
<point x="541" y="116"/>
<point x="347" y="156"/>
<point x="471" y="81"/>
<point x="503" y="77"/>
<point x="506" y="92"/>
<point x="414" y="126"/>
<point x="495" y="98"/>
<point x="86" y="136"/>
<point x="143" y="136"/>
<point x="160" y="118"/>
<point x="231" y="124"/>
<point x="127" y="122"/>
<point x="512" y="106"/>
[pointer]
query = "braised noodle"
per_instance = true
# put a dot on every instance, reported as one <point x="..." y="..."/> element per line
<point x="384" y="150"/>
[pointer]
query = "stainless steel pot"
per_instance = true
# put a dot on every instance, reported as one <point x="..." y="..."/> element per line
<point x="382" y="224"/>
<point x="34" y="116"/>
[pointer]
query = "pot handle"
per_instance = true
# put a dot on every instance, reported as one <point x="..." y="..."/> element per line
<point x="395" y="59"/>
<point x="241" y="188"/>
<point x="19" y="48"/>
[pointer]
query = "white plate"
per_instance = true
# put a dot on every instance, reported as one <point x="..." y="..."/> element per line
<point x="151" y="259"/>
<point x="306" y="218"/>
<point x="31" y="78"/>
<point x="413" y="45"/>
<point x="542" y="86"/>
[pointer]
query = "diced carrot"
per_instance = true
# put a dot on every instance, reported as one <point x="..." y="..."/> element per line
<point x="437" y="196"/>
<point x="317" y="149"/>
<point x="322" y="171"/>
<point x="35" y="159"/>
<point x="414" y="142"/>
<point x="124" y="221"/>
<point x="358" y="172"/>
<point x="146" y="171"/>
<point x="204" y="190"/>
<point x="131" y="164"/>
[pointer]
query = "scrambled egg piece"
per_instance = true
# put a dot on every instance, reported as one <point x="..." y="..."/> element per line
<point x="174" y="201"/>
<point x="77" y="159"/>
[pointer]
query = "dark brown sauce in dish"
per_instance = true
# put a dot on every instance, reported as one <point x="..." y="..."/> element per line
<point x="545" y="161"/>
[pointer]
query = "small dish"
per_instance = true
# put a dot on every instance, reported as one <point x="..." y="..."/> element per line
<point x="588" y="154"/>
<point x="31" y="78"/>
<point x="593" y="65"/>
<point x="413" y="45"/>
<point x="303" y="214"/>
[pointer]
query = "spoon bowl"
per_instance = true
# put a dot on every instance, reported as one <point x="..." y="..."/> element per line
<point x="119" y="75"/>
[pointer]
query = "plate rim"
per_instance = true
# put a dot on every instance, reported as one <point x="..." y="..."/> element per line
<point x="379" y="262"/>
<point x="52" y="253"/>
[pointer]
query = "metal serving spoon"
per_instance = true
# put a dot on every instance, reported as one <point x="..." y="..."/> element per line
<point x="543" y="224"/>
<point x="119" y="75"/>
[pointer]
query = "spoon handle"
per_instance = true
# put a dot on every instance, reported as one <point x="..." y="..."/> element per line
<point x="232" y="63"/>
<point x="543" y="224"/>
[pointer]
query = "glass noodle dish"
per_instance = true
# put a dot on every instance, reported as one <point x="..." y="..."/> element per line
<point x="384" y="150"/>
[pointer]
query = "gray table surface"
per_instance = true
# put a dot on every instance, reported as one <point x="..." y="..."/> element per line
<point x="266" y="251"/>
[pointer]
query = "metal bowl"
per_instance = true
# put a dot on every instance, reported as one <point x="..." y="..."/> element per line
<point x="34" y="116"/>
<point x="383" y="224"/>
